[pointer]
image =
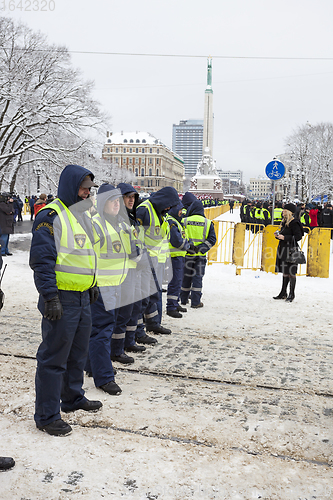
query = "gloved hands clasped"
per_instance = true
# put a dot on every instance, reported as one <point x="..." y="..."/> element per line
<point x="53" y="309"/>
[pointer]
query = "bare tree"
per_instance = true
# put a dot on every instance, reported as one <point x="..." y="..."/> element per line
<point x="47" y="113"/>
<point x="309" y="159"/>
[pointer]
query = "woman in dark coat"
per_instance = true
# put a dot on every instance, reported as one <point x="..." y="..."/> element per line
<point x="6" y="224"/>
<point x="289" y="233"/>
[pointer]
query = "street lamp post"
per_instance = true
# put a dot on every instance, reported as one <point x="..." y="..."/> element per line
<point x="38" y="172"/>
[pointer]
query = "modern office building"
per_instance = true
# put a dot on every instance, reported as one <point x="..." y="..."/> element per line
<point x="153" y="164"/>
<point x="232" y="175"/>
<point x="187" y="141"/>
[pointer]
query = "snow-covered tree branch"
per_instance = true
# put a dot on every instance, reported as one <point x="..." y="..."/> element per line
<point x="47" y="113"/>
<point x="309" y="152"/>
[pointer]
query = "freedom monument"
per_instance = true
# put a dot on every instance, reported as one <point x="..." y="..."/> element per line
<point x="206" y="181"/>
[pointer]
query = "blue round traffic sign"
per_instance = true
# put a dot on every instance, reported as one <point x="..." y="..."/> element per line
<point x="275" y="170"/>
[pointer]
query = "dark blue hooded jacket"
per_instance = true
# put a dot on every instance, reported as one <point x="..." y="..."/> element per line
<point x="196" y="208"/>
<point x="161" y="200"/>
<point x="43" y="253"/>
<point x="188" y="198"/>
<point x="176" y="238"/>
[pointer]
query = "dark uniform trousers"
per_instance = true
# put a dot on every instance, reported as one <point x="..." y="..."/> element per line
<point x="61" y="357"/>
<point x="104" y="314"/>
<point x="128" y="289"/>
<point x="175" y="283"/>
<point x="152" y="312"/>
<point x="194" y="271"/>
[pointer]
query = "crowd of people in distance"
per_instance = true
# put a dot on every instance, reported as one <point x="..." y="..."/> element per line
<point x="311" y="215"/>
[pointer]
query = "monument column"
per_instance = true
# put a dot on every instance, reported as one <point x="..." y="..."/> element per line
<point x="208" y="112"/>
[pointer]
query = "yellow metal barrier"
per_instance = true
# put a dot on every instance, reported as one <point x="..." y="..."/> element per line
<point x="253" y="246"/>
<point x="213" y="212"/>
<point x="222" y="250"/>
<point x="319" y="252"/>
<point x="269" y="247"/>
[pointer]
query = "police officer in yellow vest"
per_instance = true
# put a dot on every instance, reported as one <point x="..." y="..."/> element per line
<point x="201" y="231"/>
<point x="113" y="265"/>
<point x="278" y="214"/>
<point x="151" y="215"/>
<point x="63" y="259"/>
<point x="179" y="246"/>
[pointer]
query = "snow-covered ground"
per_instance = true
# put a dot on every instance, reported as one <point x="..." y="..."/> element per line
<point x="235" y="404"/>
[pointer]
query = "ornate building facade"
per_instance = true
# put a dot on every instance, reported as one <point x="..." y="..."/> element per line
<point x="152" y="163"/>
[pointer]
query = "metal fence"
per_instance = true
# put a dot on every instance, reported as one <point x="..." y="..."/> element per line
<point x="253" y="246"/>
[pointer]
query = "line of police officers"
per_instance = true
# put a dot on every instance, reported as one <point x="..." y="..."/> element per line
<point x="99" y="272"/>
<point x="256" y="212"/>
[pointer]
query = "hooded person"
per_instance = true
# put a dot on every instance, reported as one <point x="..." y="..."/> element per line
<point x="63" y="260"/>
<point x="179" y="246"/>
<point x="139" y="281"/>
<point x="188" y="199"/>
<point x="200" y="231"/>
<point x="151" y="215"/>
<point x="114" y="255"/>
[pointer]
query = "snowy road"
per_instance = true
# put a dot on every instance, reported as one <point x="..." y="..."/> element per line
<point x="235" y="404"/>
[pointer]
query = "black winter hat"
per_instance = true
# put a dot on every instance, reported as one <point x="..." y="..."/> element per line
<point x="291" y="207"/>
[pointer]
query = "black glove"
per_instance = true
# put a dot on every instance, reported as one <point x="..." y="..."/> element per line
<point x="53" y="309"/>
<point x="93" y="294"/>
<point x="197" y="248"/>
<point x="191" y="250"/>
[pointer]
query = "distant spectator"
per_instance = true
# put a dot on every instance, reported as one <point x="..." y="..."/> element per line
<point x="20" y="206"/>
<point x="31" y="205"/>
<point x="6" y="224"/>
<point x="313" y="216"/>
<point x="40" y="203"/>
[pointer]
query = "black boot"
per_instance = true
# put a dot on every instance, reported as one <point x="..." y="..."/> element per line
<point x="291" y="295"/>
<point x="283" y="294"/>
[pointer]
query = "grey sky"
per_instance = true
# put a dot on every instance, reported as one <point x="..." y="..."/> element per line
<point x="257" y="102"/>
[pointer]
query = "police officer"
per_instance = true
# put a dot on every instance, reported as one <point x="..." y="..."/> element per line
<point x="151" y="215"/>
<point x="113" y="265"/>
<point x="138" y="280"/>
<point x="201" y="231"/>
<point x="179" y="246"/>
<point x="305" y="219"/>
<point x="64" y="264"/>
<point x="278" y="213"/>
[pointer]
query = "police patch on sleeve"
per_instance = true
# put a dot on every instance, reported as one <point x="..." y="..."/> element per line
<point x="47" y="225"/>
<point x="80" y="239"/>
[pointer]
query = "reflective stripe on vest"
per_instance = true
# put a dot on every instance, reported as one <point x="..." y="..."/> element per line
<point x="197" y="229"/>
<point x="156" y="235"/>
<point x="113" y="255"/>
<point x="75" y="267"/>
<point x="277" y="213"/>
<point x="177" y="252"/>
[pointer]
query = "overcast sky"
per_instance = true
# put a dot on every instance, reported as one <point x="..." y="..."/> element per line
<point x="257" y="102"/>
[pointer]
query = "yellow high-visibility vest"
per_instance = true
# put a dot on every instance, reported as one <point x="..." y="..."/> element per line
<point x="197" y="229"/>
<point x="76" y="265"/>
<point x="156" y="235"/>
<point x="176" y="252"/>
<point x="113" y="254"/>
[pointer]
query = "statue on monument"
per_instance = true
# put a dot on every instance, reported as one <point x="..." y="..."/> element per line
<point x="206" y="166"/>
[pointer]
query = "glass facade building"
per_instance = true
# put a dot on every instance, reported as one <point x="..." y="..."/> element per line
<point x="187" y="139"/>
